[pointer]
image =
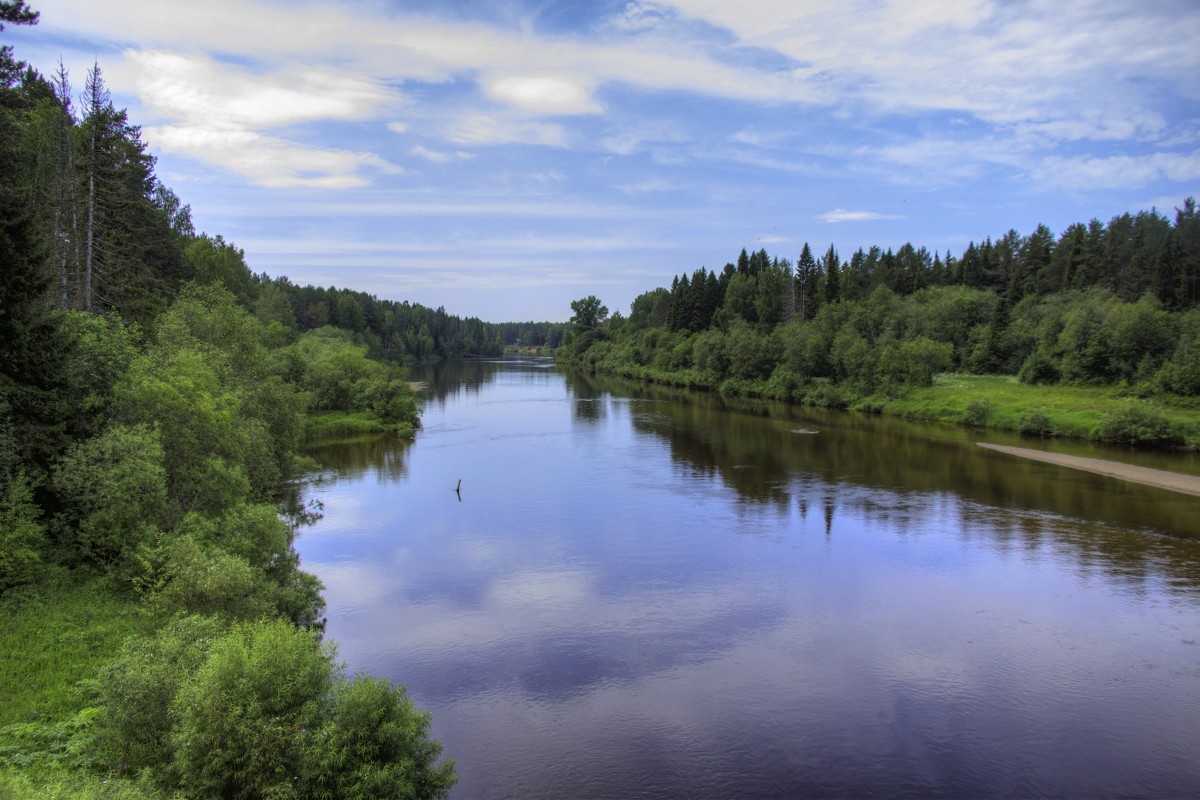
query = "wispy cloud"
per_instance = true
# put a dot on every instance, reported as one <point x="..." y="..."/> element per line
<point x="1119" y="171"/>
<point x="492" y="129"/>
<point x="689" y="125"/>
<point x="842" y="215"/>
<point x="217" y="114"/>
<point x="439" y="157"/>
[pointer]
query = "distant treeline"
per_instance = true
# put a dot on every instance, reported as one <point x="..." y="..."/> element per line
<point x="1100" y="304"/>
<point x="402" y="332"/>
<point x="82" y="203"/>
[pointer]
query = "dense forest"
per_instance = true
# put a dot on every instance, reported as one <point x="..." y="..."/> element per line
<point x="160" y="638"/>
<point x="1115" y="305"/>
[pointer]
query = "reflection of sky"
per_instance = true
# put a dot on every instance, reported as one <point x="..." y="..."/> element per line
<point x="596" y="619"/>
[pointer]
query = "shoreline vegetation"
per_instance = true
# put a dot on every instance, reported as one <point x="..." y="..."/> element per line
<point x="161" y="639"/>
<point x="160" y="633"/>
<point x="1092" y="334"/>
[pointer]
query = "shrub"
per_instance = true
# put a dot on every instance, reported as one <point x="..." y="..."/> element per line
<point x="117" y="486"/>
<point x="22" y="537"/>
<point x="1035" y="423"/>
<point x="1138" y="424"/>
<point x="1039" y="369"/>
<point x="978" y="413"/>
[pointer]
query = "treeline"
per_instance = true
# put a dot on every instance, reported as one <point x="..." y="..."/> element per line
<point x="82" y="189"/>
<point x="152" y="397"/>
<point x="1112" y="304"/>
<point x="400" y="332"/>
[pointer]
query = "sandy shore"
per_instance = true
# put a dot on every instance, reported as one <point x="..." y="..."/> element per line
<point x="1161" y="478"/>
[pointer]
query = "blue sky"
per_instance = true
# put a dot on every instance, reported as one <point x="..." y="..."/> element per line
<point x="504" y="158"/>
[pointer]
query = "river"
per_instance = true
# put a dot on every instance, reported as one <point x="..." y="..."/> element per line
<point x="645" y="593"/>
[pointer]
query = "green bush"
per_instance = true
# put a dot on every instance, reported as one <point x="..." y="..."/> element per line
<point x="977" y="414"/>
<point x="136" y="690"/>
<point x="1035" y="423"/>
<point x="115" y="489"/>
<point x="1138" y="424"/>
<point x="267" y="714"/>
<point x="22" y="538"/>
<point x="1039" y="369"/>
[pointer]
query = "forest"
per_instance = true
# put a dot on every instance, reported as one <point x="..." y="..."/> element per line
<point x="1112" y="305"/>
<point x="160" y="638"/>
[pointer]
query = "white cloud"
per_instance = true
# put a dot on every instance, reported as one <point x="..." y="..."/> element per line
<point x="638" y="16"/>
<point x="489" y="129"/>
<point x="842" y="215"/>
<point x="200" y="89"/>
<point x="543" y="94"/>
<point x="217" y="114"/>
<point x="1113" y="172"/>
<point x="1040" y="62"/>
<point x="267" y="160"/>
<point x="437" y="156"/>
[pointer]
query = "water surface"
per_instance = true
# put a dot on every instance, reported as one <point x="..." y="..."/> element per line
<point x="650" y="593"/>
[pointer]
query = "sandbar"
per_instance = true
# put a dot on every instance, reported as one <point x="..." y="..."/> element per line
<point x="1160" y="478"/>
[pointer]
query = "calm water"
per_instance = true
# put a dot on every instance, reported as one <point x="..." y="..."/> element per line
<point x="643" y="593"/>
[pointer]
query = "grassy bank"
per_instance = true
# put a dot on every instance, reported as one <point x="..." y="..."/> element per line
<point x="1081" y="412"/>
<point x="997" y="402"/>
<point x="55" y="636"/>
<point x="351" y="423"/>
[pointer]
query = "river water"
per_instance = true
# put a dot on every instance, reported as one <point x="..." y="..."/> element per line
<point x="647" y="593"/>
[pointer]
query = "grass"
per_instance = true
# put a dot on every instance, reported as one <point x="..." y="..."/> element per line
<point x="56" y="635"/>
<point x="1000" y="402"/>
<point x="352" y="423"/>
<point x="344" y="423"/>
<point x="55" y="782"/>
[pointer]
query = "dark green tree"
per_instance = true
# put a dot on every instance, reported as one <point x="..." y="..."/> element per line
<point x="806" y="280"/>
<point x="833" y="279"/>
<point x="589" y="313"/>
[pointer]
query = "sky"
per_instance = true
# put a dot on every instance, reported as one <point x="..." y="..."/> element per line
<point x="502" y="159"/>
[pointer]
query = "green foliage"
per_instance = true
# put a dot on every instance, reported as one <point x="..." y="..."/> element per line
<point x="392" y="400"/>
<point x="64" y="783"/>
<point x="115" y="490"/>
<point x="241" y="566"/>
<point x="213" y="261"/>
<point x="1035" y="423"/>
<point x="199" y="421"/>
<point x="343" y="423"/>
<point x="914" y="362"/>
<point x="199" y="579"/>
<point x="978" y="413"/>
<point x="22" y="537"/>
<point x="588" y="313"/>
<point x="136" y="691"/>
<point x="55" y="633"/>
<point x="375" y="744"/>
<point x="339" y="376"/>
<point x="100" y="352"/>
<point x="1138" y="424"/>
<point x="245" y="718"/>
<point x="752" y="355"/>
<point x="229" y="421"/>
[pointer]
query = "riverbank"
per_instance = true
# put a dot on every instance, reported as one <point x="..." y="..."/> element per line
<point x="1158" y="478"/>
<point x="1000" y="402"/>
<point x="351" y="423"/>
<point x="993" y="402"/>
